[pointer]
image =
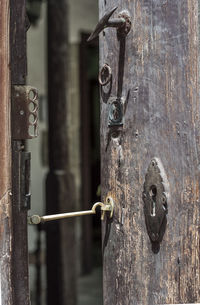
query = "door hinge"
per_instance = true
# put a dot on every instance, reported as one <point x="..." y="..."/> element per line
<point x="24" y="112"/>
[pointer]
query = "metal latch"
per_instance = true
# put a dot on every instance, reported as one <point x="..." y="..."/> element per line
<point x="105" y="207"/>
<point x="122" y="23"/>
<point x="155" y="196"/>
<point x="24" y="112"/>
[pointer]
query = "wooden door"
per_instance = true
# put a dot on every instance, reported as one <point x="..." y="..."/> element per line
<point x="13" y="236"/>
<point x="155" y="76"/>
<point x="19" y="25"/>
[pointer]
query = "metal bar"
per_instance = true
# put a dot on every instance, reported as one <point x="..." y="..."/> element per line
<point x="109" y="206"/>
<point x="36" y="219"/>
<point x="66" y="215"/>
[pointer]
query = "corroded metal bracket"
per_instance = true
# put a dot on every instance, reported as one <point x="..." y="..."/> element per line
<point x="155" y="198"/>
<point x="116" y="111"/>
<point x="122" y="23"/>
<point x="24" y="112"/>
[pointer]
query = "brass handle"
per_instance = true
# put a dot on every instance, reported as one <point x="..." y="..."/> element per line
<point x="122" y="22"/>
<point x="108" y="206"/>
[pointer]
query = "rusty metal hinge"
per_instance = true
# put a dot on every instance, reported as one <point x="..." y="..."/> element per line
<point x="24" y="112"/>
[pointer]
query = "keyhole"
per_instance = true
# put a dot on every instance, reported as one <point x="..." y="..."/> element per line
<point x="153" y="193"/>
<point x="116" y="112"/>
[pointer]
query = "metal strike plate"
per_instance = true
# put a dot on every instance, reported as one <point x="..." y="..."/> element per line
<point x="116" y="111"/>
<point x="24" y="112"/>
<point x="21" y="172"/>
<point x="155" y="197"/>
<point x="25" y="180"/>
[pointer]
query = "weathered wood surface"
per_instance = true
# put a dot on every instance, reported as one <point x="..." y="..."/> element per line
<point x="161" y="120"/>
<point x="19" y="25"/>
<point x="5" y="158"/>
<point x="20" y="274"/>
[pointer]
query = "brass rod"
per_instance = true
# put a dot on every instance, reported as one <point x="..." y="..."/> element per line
<point x="66" y="215"/>
<point x="109" y="206"/>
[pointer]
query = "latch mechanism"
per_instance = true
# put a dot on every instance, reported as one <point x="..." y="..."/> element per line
<point x="105" y="207"/>
<point x="24" y="112"/>
<point x="122" y="23"/>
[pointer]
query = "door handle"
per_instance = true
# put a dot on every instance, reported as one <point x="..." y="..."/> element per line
<point x="122" y="23"/>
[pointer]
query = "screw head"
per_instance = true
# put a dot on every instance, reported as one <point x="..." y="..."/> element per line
<point x="35" y="219"/>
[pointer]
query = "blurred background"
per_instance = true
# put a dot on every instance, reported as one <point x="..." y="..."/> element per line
<point x="65" y="257"/>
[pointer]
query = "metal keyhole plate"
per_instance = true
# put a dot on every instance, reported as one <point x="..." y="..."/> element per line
<point x="155" y="196"/>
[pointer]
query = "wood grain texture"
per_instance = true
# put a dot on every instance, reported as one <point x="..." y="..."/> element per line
<point x="19" y="25"/>
<point x="20" y="271"/>
<point x="160" y="79"/>
<point x="20" y="274"/>
<point x="5" y="158"/>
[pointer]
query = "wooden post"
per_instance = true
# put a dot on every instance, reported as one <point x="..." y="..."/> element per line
<point x="20" y="274"/>
<point x="157" y="69"/>
<point x="61" y="254"/>
<point x="5" y="158"/>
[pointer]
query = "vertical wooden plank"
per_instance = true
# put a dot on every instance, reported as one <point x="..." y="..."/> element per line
<point x="20" y="275"/>
<point x="19" y="24"/>
<point x="20" y="272"/>
<point x="160" y="78"/>
<point x="5" y="158"/>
